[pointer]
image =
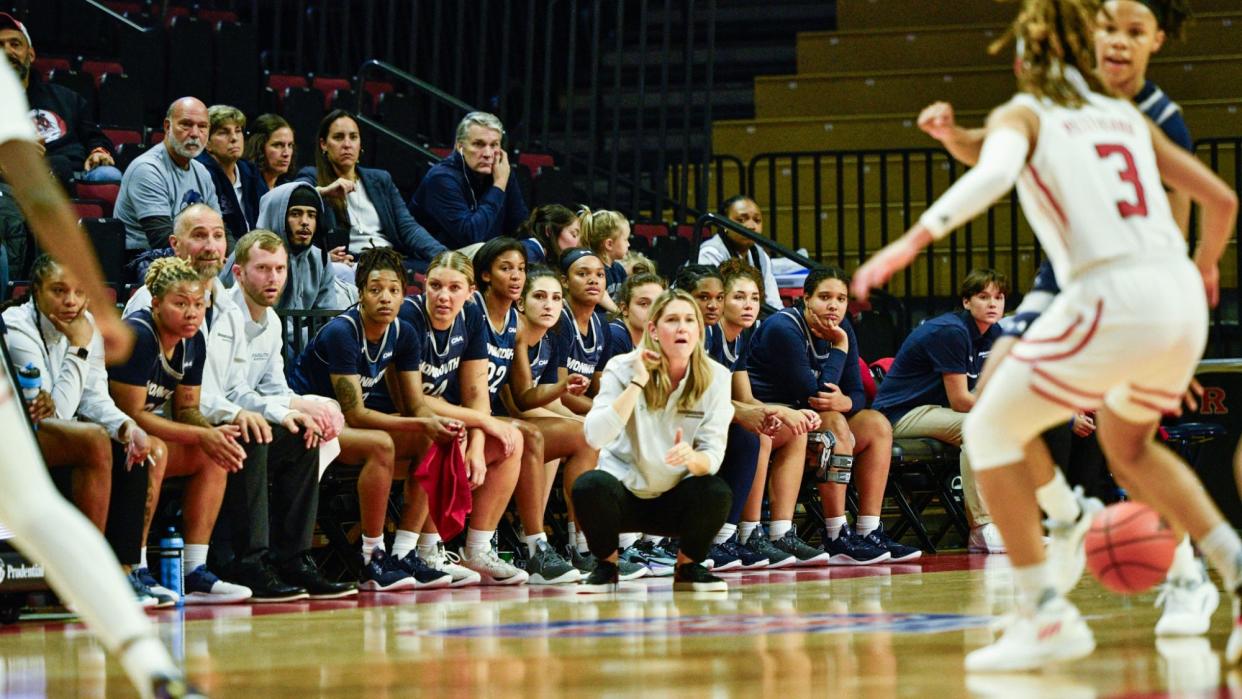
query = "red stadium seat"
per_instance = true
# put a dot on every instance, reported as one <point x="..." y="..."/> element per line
<point x="650" y="230"/>
<point x="88" y="209"/>
<point x="441" y="152"/>
<point x="46" y="64"/>
<point x="18" y="290"/>
<point x="123" y="136"/>
<point x="790" y="295"/>
<point x="868" y="381"/>
<point x="375" y="88"/>
<point x="329" y="86"/>
<point x="104" y="193"/>
<point x="536" y="161"/>
<point x="214" y="17"/>
<point x="156" y="136"/>
<point x="98" y="69"/>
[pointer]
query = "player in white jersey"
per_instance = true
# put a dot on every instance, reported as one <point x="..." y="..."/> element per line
<point x="1089" y="171"/>
<point x="79" y="564"/>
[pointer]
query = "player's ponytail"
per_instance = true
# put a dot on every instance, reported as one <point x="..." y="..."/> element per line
<point x="1053" y="35"/>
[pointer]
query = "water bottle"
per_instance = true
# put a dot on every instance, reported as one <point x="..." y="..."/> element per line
<point x="172" y="550"/>
<point x="29" y="380"/>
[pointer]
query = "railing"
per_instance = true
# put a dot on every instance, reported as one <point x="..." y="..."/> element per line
<point x="606" y="86"/>
<point x="140" y="49"/>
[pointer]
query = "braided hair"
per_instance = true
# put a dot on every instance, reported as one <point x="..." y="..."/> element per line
<point x="167" y="272"/>
<point x="1053" y="35"/>
<point x="377" y="259"/>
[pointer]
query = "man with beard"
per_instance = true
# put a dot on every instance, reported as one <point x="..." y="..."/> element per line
<point x="73" y="141"/>
<point x="162" y="182"/>
<point x="295" y="209"/>
<point x="272" y="559"/>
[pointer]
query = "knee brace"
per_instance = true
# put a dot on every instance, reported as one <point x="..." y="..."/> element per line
<point x="828" y="467"/>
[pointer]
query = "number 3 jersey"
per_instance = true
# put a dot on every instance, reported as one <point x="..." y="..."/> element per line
<point x="1091" y="190"/>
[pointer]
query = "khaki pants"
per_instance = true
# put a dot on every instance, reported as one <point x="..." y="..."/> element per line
<point x="945" y="424"/>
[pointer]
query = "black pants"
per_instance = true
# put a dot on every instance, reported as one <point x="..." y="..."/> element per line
<point x="741" y="458"/>
<point x="1082" y="462"/>
<point x="126" y="507"/>
<point x="256" y="522"/>
<point x="692" y="511"/>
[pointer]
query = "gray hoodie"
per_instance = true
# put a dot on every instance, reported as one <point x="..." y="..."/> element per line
<point x="310" y="284"/>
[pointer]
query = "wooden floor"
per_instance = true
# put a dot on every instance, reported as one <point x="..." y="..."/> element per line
<point x="895" y="631"/>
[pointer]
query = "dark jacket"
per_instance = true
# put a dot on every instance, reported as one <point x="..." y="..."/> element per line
<point x="396" y="223"/>
<point x="239" y="217"/>
<point x="63" y="119"/>
<point x="461" y="208"/>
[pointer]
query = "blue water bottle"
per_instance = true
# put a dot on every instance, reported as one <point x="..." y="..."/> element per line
<point x="29" y="380"/>
<point x="172" y="550"/>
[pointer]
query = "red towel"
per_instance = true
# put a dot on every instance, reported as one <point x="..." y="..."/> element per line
<point x="442" y="474"/>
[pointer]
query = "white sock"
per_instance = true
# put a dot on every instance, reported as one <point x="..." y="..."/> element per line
<point x="478" y="541"/>
<point x="833" y="526"/>
<point x="1184" y="567"/>
<point x="777" y="528"/>
<point x="533" y="540"/>
<point x="195" y="556"/>
<point x="404" y="542"/>
<point x="653" y="538"/>
<point x="146" y="657"/>
<point x="725" y="532"/>
<point x="1223" y="550"/>
<point x="745" y="529"/>
<point x="1057" y="500"/>
<point x="627" y="539"/>
<point x="578" y="538"/>
<point x="142" y="557"/>
<point x="428" y="542"/>
<point x="369" y="544"/>
<point x="1031" y="583"/>
<point x="867" y="524"/>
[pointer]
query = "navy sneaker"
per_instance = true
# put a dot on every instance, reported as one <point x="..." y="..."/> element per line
<point x="805" y="554"/>
<point x="203" y="587"/>
<point x="722" y="559"/>
<point x="751" y="560"/>
<point x="144" y="576"/>
<point x="850" y="549"/>
<point x="425" y="577"/>
<point x="585" y="563"/>
<point x="383" y="573"/>
<point x="147" y="597"/>
<point x="898" y="552"/>
<point x="759" y="544"/>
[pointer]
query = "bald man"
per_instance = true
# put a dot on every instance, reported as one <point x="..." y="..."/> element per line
<point x="166" y="179"/>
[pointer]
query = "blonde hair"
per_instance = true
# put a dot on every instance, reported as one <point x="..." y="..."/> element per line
<point x="600" y="226"/>
<point x="1054" y="34"/>
<point x="635" y="262"/>
<point x="167" y="272"/>
<point x="220" y="114"/>
<point x="451" y="259"/>
<point x="699" y="374"/>
<point x="264" y="239"/>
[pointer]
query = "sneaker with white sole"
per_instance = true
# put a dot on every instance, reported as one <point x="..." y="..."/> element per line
<point x="1188" y="606"/>
<point x="1233" y="648"/>
<point x="634" y="556"/>
<point x="850" y="549"/>
<point x="144" y="576"/>
<point x="762" y="546"/>
<point x="546" y="567"/>
<point x="446" y="561"/>
<point x="1055" y="632"/>
<point x="660" y="558"/>
<point x="203" y="587"/>
<point x="693" y="577"/>
<point x="492" y="569"/>
<point x="627" y="570"/>
<point x="1066" y="556"/>
<point x="985" y="538"/>
<point x="805" y="554"/>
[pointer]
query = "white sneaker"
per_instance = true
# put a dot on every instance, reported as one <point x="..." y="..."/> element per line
<point x="1055" y="632"/>
<point x="446" y="561"/>
<point x="1188" y="606"/>
<point x="203" y="587"/>
<point x="493" y="569"/>
<point x="1233" y="649"/>
<point x="1190" y="667"/>
<point x="1066" y="556"/>
<point x="985" y="538"/>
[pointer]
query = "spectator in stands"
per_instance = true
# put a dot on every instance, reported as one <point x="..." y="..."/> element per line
<point x="272" y="560"/>
<point x="471" y="196"/>
<point x="159" y="387"/>
<point x="15" y="239"/>
<point x="930" y="386"/>
<point x="198" y="236"/>
<point x="163" y="181"/>
<point x="270" y="148"/>
<point x="73" y="141"/>
<point x="608" y="234"/>
<point x="550" y="230"/>
<point x="715" y="250"/>
<point x="294" y="211"/>
<point x="363" y="201"/>
<point x="237" y="181"/>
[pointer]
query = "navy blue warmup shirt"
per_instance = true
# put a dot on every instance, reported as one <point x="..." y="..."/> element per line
<point x="614" y="277"/>
<point x="445" y="350"/>
<point x="619" y="340"/>
<point x="1166" y="113"/>
<point x="534" y="251"/>
<point x="544" y="361"/>
<point x="947" y="344"/>
<point x="732" y="355"/>
<point x="581" y="354"/>
<point x="341" y="347"/>
<point x="713" y="341"/>
<point x="148" y="366"/>
<point x="788" y="365"/>
<point x="500" y="346"/>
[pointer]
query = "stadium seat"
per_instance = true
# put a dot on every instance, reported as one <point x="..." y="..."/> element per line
<point x="536" y="162"/>
<point x="79" y="82"/>
<point x="328" y="86"/>
<point x="120" y="100"/>
<point x="649" y="230"/>
<point x="98" y="69"/>
<point x="104" y="193"/>
<point x="398" y="112"/>
<point x="120" y="137"/>
<point x="44" y="65"/>
<point x="108" y="236"/>
<point x="190" y="56"/>
<point x="217" y="17"/>
<point x="88" y="209"/>
<point x="126" y="153"/>
<point x="237" y="72"/>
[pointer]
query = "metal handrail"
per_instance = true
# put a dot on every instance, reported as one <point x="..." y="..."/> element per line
<point x="764" y="242"/>
<point x="409" y="79"/>
<point x="119" y="17"/>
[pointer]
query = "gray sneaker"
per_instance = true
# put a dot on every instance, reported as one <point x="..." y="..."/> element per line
<point x="761" y="545"/>
<point x="547" y="567"/>
<point x="585" y="563"/>
<point x="806" y="554"/>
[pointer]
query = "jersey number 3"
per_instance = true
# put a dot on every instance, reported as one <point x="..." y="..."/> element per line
<point x="1129" y="175"/>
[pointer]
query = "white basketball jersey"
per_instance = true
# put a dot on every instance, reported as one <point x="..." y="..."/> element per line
<point x="1091" y="191"/>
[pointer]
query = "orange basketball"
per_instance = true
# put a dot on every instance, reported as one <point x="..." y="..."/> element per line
<point x="1129" y="548"/>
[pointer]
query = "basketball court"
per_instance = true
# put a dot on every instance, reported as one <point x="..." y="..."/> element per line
<point x="877" y="632"/>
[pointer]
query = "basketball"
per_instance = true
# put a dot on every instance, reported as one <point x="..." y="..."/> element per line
<point x="1129" y="548"/>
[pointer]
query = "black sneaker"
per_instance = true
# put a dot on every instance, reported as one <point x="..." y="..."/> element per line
<point x="383" y="573"/>
<point x="850" y="549"/>
<point x="585" y="563"/>
<point x="604" y="577"/>
<point x="425" y="577"/>
<point x="302" y="572"/>
<point x="692" y="577"/>
<point x="760" y="545"/>
<point x="806" y="554"/>
<point x="165" y="687"/>
<point x="750" y="560"/>
<point x="721" y="559"/>
<point x="898" y="552"/>
<point x="265" y="585"/>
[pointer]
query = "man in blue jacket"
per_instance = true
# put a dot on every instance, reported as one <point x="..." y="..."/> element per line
<point x="470" y="197"/>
